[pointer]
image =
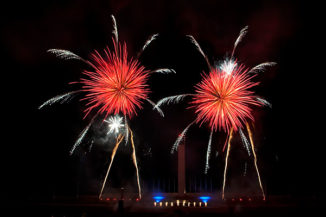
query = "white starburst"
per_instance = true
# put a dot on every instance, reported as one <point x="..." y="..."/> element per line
<point x="228" y="66"/>
<point x="114" y="123"/>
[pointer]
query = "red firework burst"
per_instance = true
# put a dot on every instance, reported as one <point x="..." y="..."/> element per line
<point x="117" y="85"/>
<point x="223" y="98"/>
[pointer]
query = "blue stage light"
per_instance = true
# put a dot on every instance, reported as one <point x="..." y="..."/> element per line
<point x="158" y="198"/>
<point x="205" y="198"/>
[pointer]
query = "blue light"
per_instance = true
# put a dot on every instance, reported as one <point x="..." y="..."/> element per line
<point x="205" y="198"/>
<point x="158" y="198"/>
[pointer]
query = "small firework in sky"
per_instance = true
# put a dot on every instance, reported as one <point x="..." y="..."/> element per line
<point x="114" y="124"/>
<point x="113" y="85"/>
<point x="224" y="100"/>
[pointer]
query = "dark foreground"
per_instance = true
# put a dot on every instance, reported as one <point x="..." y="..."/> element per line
<point x="91" y="207"/>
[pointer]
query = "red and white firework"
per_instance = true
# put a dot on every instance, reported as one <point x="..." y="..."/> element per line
<point x="223" y="98"/>
<point x="116" y="84"/>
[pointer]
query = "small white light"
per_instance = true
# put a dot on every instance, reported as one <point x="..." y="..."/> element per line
<point x="114" y="123"/>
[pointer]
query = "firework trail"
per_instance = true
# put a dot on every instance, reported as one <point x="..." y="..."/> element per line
<point x="244" y="141"/>
<point x="126" y="131"/>
<point x="164" y="71"/>
<point x="112" y="85"/>
<point x="66" y="55"/>
<point x="115" y="29"/>
<point x="151" y="38"/>
<point x="242" y="34"/>
<point x="245" y="169"/>
<point x="208" y="151"/>
<point x="226" y="161"/>
<point x="261" y="67"/>
<point x="193" y="41"/>
<point x="156" y="107"/>
<point x="180" y="138"/>
<point x="255" y="159"/>
<point x="90" y="146"/>
<point x="119" y="140"/>
<point x="81" y="136"/>
<point x="172" y="99"/>
<point x="63" y="98"/>
<point x="264" y="102"/>
<point x="134" y="160"/>
<point x="223" y="99"/>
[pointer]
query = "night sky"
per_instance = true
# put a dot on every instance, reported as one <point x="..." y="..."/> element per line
<point x="35" y="145"/>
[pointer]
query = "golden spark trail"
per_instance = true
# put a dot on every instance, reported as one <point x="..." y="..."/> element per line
<point x="254" y="153"/>
<point x="226" y="161"/>
<point x="135" y="160"/>
<point x="119" y="140"/>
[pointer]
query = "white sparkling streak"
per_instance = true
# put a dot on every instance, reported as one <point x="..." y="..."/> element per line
<point x="193" y="40"/>
<point x="60" y="98"/>
<point x="180" y="138"/>
<point x="171" y="99"/>
<point x="264" y="101"/>
<point x="126" y="130"/>
<point x="242" y="34"/>
<point x="115" y="29"/>
<point x="164" y="71"/>
<point x="156" y="107"/>
<point x="245" y="141"/>
<point x="245" y="169"/>
<point x="261" y="67"/>
<point x="152" y="38"/>
<point x="65" y="54"/>
<point x="208" y="151"/>
<point x="90" y="146"/>
<point x="82" y="135"/>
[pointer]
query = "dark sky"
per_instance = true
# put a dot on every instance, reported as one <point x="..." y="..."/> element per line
<point x="35" y="148"/>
